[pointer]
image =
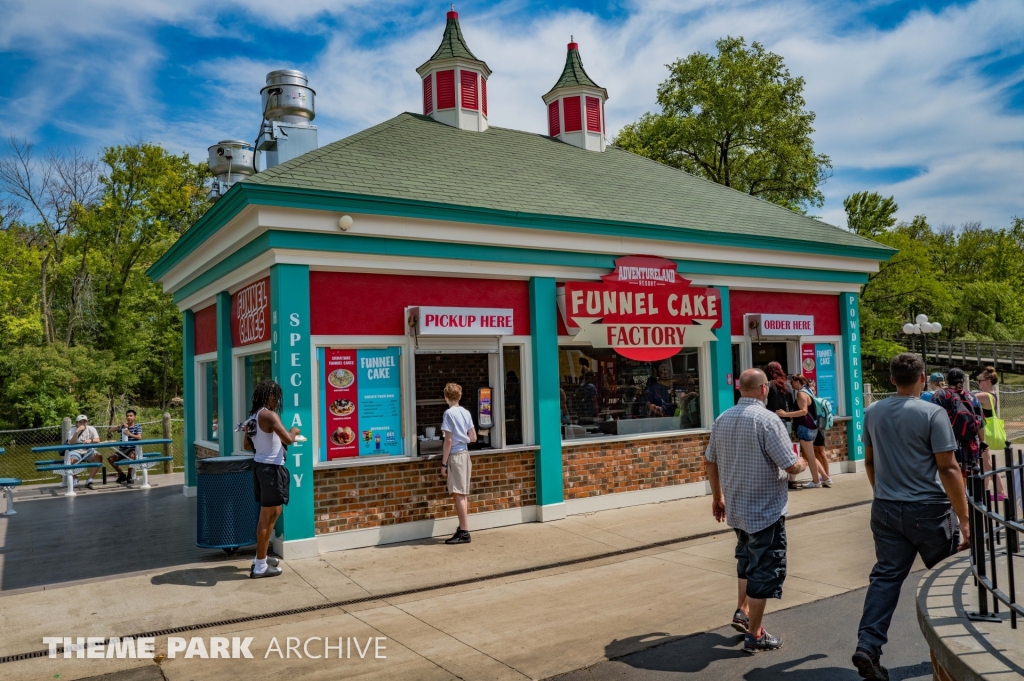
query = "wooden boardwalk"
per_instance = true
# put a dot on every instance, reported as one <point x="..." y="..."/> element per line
<point x="97" y="535"/>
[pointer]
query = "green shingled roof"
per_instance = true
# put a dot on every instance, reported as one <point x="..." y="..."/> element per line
<point x="573" y="73"/>
<point x="415" y="158"/>
<point x="452" y="42"/>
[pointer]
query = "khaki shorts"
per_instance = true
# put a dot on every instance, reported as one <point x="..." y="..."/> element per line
<point x="459" y="472"/>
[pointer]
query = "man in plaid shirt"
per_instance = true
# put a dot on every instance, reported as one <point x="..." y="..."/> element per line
<point x="748" y="456"/>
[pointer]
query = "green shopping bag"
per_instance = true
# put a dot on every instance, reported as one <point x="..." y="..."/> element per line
<point x="995" y="432"/>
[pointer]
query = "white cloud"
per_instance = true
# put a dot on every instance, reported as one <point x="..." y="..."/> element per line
<point x="907" y="97"/>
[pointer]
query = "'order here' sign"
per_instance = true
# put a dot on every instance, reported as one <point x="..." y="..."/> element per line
<point x="462" y="321"/>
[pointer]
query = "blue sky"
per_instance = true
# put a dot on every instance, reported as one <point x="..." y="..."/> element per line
<point x="920" y="99"/>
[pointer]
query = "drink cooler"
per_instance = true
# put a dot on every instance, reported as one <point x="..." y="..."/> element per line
<point x="226" y="513"/>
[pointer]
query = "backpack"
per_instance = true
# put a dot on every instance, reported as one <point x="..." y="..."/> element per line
<point x="823" y="416"/>
<point x="966" y="421"/>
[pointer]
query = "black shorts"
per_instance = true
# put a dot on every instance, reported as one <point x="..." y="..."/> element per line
<point x="819" y="439"/>
<point x="270" y="484"/>
<point x="761" y="560"/>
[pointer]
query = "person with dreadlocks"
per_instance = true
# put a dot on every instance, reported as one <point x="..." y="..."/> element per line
<point x="267" y="438"/>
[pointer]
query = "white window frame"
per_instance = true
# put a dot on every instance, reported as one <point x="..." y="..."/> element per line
<point x="242" y="401"/>
<point x="408" y="386"/>
<point x="200" y="397"/>
<point x="707" y="412"/>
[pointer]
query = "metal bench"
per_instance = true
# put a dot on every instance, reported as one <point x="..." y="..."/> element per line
<point x="70" y="471"/>
<point x="7" y="485"/>
<point x="148" y="460"/>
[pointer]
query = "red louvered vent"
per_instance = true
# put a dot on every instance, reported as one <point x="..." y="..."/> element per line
<point x="573" y="116"/>
<point x="446" y="89"/>
<point x="553" y="127"/>
<point x="593" y="114"/>
<point x="483" y="93"/>
<point x="470" y="98"/>
<point x="428" y="95"/>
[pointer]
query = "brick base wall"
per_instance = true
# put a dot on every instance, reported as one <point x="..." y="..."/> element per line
<point x="611" y="467"/>
<point x="835" y="442"/>
<point x="204" y="453"/>
<point x="387" y="494"/>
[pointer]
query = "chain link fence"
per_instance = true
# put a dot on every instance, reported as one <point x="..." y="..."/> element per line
<point x="1011" y="410"/>
<point x="19" y="461"/>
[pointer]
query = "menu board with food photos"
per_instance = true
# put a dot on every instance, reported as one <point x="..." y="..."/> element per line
<point x="361" y="405"/>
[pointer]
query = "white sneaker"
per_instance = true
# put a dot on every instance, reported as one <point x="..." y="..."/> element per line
<point x="827" y="483"/>
<point x="811" y="485"/>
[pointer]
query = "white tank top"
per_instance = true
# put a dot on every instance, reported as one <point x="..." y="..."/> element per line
<point x="267" y="445"/>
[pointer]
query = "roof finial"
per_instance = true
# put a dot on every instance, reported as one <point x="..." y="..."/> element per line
<point x="453" y="7"/>
<point x="571" y="38"/>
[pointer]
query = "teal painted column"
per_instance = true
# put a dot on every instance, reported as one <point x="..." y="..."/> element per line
<point x="546" y="403"/>
<point x="188" y="391"/>
<point x="721" y="359"/>
<point x="852" y="374"/>
<point x="292" y="368"/>
<point x="225" y="382"/>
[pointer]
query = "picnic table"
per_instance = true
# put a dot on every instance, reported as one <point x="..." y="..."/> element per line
<point x="7" y="485"/>
<point x="69" y="471"/>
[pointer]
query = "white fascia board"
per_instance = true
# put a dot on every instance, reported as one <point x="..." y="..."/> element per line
<point x="543" y="239"/>
<point x="378" y="264"/>
<point x="254" y="220"/>
<point x="237" y="232"/>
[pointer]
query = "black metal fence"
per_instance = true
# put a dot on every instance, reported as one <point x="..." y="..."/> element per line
<point x="995" y="537"/>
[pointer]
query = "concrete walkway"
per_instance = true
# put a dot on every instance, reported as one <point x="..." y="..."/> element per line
<point x="531" y="625"/>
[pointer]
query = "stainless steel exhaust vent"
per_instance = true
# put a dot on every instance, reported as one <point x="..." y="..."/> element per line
<point x="288" y="108"/>
<point x="230" y="162"/>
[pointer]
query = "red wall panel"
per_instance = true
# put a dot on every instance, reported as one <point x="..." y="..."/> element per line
<point x="573" y="115"/>
<point x="553" y="124"/>
<point x="469" y="93"/>
<point x="445" y="89"/>
<point x="825" y="308"/>
<point x="483" y="93"/>
<point x="353" y="303"/>
<point x="593" y="114"/>
<point x="205" y="322"/>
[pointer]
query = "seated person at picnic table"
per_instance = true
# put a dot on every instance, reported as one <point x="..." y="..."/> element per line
<point x="84" y="434"/>
<point x="128" y="430"/>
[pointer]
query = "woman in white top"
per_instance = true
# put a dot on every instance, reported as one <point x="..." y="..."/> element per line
<point x="267" y="438"/>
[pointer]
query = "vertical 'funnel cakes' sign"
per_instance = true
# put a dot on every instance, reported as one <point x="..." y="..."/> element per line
<point x="644" y="310"/>
<point x="250" y="314"/>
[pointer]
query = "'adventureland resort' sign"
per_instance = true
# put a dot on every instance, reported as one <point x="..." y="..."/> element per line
<point x="644" y="310"/>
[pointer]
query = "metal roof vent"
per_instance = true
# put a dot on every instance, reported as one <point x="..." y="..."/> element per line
<point x="230" y="161"/>
<point x="288" y="108"/>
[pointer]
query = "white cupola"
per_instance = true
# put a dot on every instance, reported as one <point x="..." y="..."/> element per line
<point x="455" y="82"/>
<point x="576" y="105"/>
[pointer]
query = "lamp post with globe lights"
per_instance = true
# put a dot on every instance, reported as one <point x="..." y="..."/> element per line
<point x="919" y="327"/>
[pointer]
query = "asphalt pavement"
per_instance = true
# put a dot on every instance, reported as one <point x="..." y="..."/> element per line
<point x="819" y="639"/>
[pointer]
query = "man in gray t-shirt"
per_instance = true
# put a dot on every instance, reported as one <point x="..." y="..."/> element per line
<point x="919" y="496"/>
<point x="905" y="433"/>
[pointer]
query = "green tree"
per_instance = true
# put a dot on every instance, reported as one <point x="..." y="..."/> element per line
<point x="81" y="326"/>
<point x="870" y="215"/>
<point x="738" y="119"/>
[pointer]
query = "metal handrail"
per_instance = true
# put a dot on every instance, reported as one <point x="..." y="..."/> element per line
<point x="986" y="527"/>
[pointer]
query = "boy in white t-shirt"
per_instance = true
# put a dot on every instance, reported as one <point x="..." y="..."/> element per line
<point x="458" y="430"/>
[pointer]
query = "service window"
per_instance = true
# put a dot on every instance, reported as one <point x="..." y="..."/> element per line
<point x="604" y="393"/>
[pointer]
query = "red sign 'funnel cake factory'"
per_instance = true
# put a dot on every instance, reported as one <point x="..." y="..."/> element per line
<point x="644" y="310"/>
